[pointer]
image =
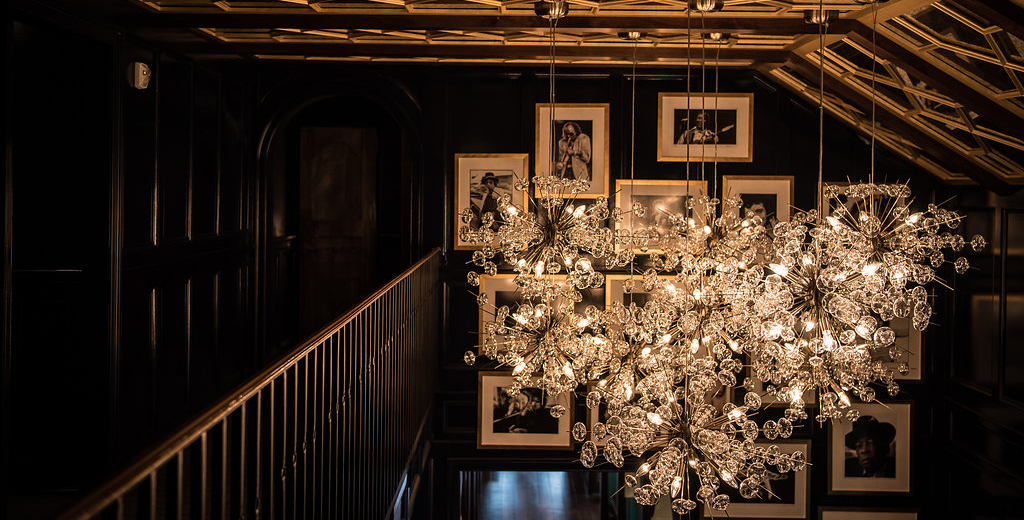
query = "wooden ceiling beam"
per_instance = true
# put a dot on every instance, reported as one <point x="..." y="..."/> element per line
<point x="429" y="22"/>
<point x="473" y="51"/>
<point x="1001" y="117"/>
<point x="896" y="123"/>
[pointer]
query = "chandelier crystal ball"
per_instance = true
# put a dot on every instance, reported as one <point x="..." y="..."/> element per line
<point x="735" y="316"/>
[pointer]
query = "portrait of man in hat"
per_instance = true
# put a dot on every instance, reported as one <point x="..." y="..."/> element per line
<point x="484" y="196"/>
<point x="871" y="440"/>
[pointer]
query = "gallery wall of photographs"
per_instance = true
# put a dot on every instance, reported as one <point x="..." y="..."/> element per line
<point x="750" y="141"/>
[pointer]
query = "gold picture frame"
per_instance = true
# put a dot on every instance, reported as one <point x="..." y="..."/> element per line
<point x="660" y="197"/>
<point x="584" y="153"/>
<point x="471" y="192"/>
<point x="731" y="138"/>
<point x="774" y="194"/>
<point x="526" y="421"/>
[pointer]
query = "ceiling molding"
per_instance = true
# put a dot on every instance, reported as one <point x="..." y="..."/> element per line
<point x="484" y="51"/>
<point x="454" y="22"/>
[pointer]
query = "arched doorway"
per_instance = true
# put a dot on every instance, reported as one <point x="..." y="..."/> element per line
<point x="342" y="168"/>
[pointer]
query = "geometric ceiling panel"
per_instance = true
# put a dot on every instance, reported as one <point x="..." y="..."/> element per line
<point x="918" y="103"/>
<point x="989" y="57"/>
<point x="943" y="78"/>
<point x="895" y="141"/>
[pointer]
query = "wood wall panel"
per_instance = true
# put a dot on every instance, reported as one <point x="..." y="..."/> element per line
<point x="174" y="98"/>
<point x="233" y="191"/>
<point x="205" y="187"/>
<point x="139" y="154"/>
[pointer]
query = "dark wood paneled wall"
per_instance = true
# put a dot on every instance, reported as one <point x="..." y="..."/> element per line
<point x="189" y="244"/>
<point x="977" y="370"/>
<point x="133" y="238"/>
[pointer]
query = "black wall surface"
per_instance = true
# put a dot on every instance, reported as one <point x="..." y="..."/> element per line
<point x="133" y="236"/>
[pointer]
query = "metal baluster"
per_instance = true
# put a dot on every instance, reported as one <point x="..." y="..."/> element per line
<point x="306" y="513"/>
<point x="201" y="502"/>
<point x="319" y="432"/>
<point x="178" y="487"/>
<point x="331" y="426"/>
<point x="271" y="445"/>
<point x="282" y="473"/>
<point x="258" y="495"/>
<point x="243" y="434"/>
<point x="351" y="370"/>
<point x="222" y="495"/>
<point x="296" y="443"/>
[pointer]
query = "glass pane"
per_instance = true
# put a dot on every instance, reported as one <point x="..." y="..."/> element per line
<point x="949" y="28"/>
<point x="987" y="73"/>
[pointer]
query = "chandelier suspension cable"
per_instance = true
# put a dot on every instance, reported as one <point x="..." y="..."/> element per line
<point x="632" y="141"/>
<point x="874" y="52"/>
<point x="718" y="55"/>
<point x="689" y="58"/>
<point x="703" y="98"/>
<point x="552" y="22"/>
<point x="822" y="27"/>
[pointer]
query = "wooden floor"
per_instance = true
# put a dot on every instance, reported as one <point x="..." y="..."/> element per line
<point x="537" y="495"/>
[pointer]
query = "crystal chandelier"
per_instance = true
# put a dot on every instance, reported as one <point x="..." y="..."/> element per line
<point x="805" y="307"/>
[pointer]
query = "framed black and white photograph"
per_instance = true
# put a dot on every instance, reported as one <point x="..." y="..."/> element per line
<point x="573" y="143"/>
<point x="594" y="416"/>
<point x="907" y="347"/>
<point x="480" y="181"/>
<point x="863" y="513"/>
<point x="701" y="127"/>
<point x="660" y="198"/>
<point x="783" y="495"/>
<point x="829" y="204"/>
<point x="810" y="396"/>
<point x="500" y="290"/>
<point x="872" y="454"/>
<point x="522" y="420"/>
<point x="767" y="196"/>
<point x="615" y="289"/>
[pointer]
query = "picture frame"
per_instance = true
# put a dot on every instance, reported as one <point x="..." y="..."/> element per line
<point x="660" y="197"/>
<point x="865" y="513"/>
<point x="791" y="493"/>
<point x="530" y="410"/>
<point x="683" y="134"/>
<point x="911" y="341"/>
<point x="472" y="192"/>
<point x="770" y="196"/>
<point x="885" y="430"/>
<point x="581" y="132"/>
<point x="501" y="289"/>
<point x="810" y="395"/>
<point x="594" y="416"/>
<point x="614" y="285"/>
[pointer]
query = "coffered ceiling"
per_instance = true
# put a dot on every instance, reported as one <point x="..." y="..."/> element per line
<point x="946" y="78"/>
